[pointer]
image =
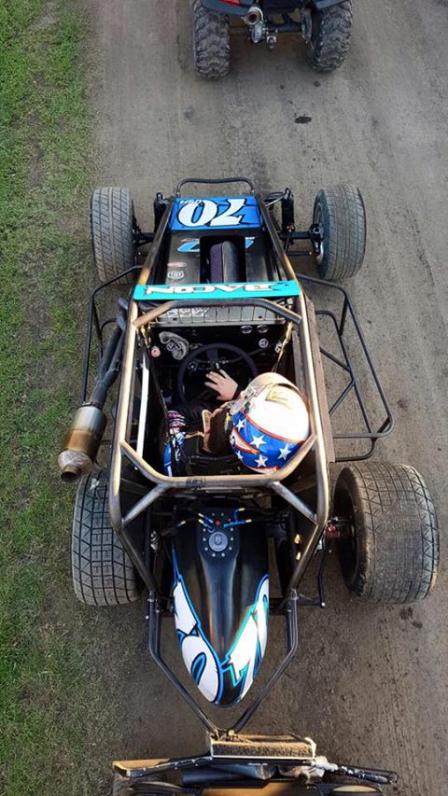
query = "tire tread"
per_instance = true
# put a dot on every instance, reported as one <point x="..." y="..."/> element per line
<point x="327" y="50"/>
<point x="400" y="533"/>
<point x="102" y="572"/>
<point x="112" y="236"/>
<point x="211" y="42"/>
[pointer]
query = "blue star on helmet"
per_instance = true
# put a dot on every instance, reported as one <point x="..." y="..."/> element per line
<point x="261" y="460"/>
<point x="284" y="452"/>
<point x="258" y="441"/>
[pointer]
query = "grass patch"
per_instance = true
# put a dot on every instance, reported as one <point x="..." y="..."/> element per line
<point x="49" y="696"/>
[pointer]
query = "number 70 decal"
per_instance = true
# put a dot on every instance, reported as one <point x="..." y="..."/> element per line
<point x="215" y="213"/>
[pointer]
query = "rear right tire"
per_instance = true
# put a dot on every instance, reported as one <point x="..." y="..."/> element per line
<point x="103" y="573"/>
<point x="211" y="42"/>
<point x="331" y="30"/>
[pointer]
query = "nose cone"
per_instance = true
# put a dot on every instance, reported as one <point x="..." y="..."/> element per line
<point x="221" y="601"/>
<point x="222" y="678"/>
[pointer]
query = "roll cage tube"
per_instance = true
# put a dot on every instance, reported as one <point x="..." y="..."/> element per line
<point x="217" y="483"/>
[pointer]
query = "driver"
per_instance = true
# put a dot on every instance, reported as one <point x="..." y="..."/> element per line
<point x="263" y="426"/>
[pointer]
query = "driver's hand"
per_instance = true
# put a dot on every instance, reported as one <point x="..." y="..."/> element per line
<point x="224" y="386"/>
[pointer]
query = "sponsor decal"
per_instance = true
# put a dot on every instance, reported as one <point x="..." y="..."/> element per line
<point x="215" y="291"/>
<point x="175" y="274"/>
<point x="224" y="212"/>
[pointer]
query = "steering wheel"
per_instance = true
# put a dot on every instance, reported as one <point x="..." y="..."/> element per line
<point x="209" y="357"/>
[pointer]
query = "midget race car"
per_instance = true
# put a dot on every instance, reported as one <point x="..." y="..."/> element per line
<point x="212" y="287"/>
<point x="325" y="27"/>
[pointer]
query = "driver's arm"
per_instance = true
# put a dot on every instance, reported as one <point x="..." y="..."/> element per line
<point x="223" y="385"/>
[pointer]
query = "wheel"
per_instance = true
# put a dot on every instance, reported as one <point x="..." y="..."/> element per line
<point x="111" y="225"/>
<point x="121" y="786"/>
<point x="389" y="540"/>
<point x="211" y="42"/>
<point x="102" y="572"/>
<point x="341" y="216"/>
<point x="329" y="38"/>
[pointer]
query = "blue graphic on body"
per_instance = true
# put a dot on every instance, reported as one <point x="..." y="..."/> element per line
<point x="215" y="213"/>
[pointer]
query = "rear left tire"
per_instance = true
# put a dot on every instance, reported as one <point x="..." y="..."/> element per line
<point x="389" y="543"/>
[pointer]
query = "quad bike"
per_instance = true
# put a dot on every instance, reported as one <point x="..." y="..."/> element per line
<point x="324" y="25"/>
<point x="214" y="287"/>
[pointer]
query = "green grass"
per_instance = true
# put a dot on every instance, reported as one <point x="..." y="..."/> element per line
<point x="49" y="700"/>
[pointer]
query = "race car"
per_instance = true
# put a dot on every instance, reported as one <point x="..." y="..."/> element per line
<point x="325" y="26"/>
<point x="213" y="290"/>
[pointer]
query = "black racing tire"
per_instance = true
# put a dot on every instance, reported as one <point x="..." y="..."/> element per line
<point x="111" y="225"/>
<point x="330" y="35"/>
<point x="103" y="574"/>
<point x="389" y="543"/>
<point x="341" y="214"/>
<point x="121" y="786"/>
<point x="211" y="42"/>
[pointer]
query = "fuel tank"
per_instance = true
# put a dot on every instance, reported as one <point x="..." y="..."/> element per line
<point x="221" y="601"/>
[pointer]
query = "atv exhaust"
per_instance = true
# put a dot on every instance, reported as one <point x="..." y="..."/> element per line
<point x="84" y="436"/>
<point x="254" y="16"/>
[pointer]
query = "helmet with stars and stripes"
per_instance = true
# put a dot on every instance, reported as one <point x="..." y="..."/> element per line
<point x="270" y="422"/>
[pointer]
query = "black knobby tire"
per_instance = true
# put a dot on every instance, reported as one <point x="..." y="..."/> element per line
<point x="211" y="42"/>
<point x="111" y="224"/>
<point x="331" y="31"/>
<point x="103" y="573"/>
<point x="340" y="212"/>
<point x="389" y="547"/>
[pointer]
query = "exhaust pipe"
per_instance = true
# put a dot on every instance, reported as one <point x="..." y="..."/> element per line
<point x="86" y="431"/>
<point x="82" y="442"/>
<point x="254" y="16"/>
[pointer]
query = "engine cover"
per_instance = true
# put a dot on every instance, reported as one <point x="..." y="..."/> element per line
<point x="221" y="601"/>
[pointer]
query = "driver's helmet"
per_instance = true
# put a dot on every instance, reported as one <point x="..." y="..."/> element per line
<point x="269" y="423"/>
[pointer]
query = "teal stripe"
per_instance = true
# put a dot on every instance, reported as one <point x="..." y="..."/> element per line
<point x="222" y="291"/>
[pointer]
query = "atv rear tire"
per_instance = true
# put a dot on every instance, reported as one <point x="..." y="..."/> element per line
<point x="211" y="42"/>
<point x="111" y="224"/>
<point x="103" y="573"/>
<point x="331" y="31"/>
<point x="340" y="213"/>
<point x="389" y="544"/>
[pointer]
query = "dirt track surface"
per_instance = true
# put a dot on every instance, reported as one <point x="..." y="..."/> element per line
<point x="369" y="684"/>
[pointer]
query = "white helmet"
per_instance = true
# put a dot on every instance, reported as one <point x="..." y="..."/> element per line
<point x="270" y="422"/>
